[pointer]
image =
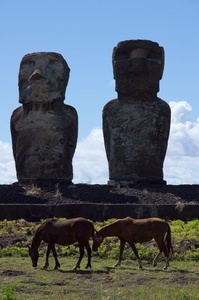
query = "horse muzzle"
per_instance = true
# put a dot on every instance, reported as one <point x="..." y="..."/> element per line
<point x="94" y="248"/>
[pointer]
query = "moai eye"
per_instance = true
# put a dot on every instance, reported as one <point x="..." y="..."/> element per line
<point x="122" y="55"/>
<point x="28" y="63"/>
<point x="54" y="64"/>
<point x="153" y="55"/>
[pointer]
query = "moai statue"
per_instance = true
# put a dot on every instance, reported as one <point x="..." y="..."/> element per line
<point x="136" y="125"/>
<point x="44" y="129"/>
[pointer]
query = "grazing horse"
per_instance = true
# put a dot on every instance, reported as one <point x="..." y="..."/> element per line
<point x="137" y="231"/>
<point x="63" y="233"/>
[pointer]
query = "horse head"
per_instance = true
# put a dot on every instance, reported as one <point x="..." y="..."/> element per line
<point x="34" y="254"/>
<point x="97" y="240"/>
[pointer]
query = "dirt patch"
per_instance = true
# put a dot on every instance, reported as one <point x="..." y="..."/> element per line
<point x="183" y="280"/>
<point x="12" y="273"/>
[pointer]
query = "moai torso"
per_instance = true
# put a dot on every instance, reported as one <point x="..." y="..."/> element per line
<point x="44" y="129"/>
<point x="136" y="125"/>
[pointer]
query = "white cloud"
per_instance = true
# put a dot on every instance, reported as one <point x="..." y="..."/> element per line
<point x="180" y="111"/>
<point x="5" y="151"/>
<point x="181" y="165"/>
<point x="181" y="170"/>
<point x="7" y="172"/>
<point x="7" y="165"/>
<point x="90" y="165"/>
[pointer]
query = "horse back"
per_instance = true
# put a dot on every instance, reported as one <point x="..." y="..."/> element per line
<point x="144" y="230"/>
<point x="67" y="232"/>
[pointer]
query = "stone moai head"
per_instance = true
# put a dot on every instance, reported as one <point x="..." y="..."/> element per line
<point x="138" y="67"/>
<point x="43" y="77"/>
<point x="44" y="129"/>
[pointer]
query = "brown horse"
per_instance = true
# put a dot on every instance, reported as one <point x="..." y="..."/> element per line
<point x="137" y="231"/>
<point x="63" y="233"/>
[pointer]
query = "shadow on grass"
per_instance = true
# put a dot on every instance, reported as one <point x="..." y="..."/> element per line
<point x="91" y="271"/>
<point x="170" y="270"/>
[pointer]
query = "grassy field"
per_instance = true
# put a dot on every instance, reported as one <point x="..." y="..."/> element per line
<point x="19" y="280"/>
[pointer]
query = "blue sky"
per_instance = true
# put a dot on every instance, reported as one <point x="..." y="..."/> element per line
<point x="85" y="32"/>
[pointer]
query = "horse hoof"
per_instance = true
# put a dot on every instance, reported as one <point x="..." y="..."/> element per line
<point x="88" y="267"/>
<point x="116" y="265"/>
<point x="154" y="265"/>
<point x="45" y="267"/>
<point x="57" y="267"/>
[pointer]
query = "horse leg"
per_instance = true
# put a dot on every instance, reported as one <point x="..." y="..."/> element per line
<point x="136" y="254"/>
<point x="47" y="255"/>
<point x="57" y="264"/>
<point x="162" y="247"/>
<point x="88" y="249"/>
<point x="81" y="248"/>
<point x="166" y="255"/>
<point x="155" y="259"/>
<point x="122" y="243"/>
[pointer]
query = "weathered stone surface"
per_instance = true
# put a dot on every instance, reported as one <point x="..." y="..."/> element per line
<point x="136" y="125"/>
<point x="44" y="129"/>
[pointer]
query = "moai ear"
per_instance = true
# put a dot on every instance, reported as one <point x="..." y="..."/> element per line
<point x="162" y="61"/>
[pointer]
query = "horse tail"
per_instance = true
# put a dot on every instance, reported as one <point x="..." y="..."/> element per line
<point x="168" y="241"/>
<point x="93" y="230"/>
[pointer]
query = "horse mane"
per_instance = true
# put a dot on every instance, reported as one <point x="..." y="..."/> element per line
<point x="45" y="222"/>
<point x="39" y="229"/>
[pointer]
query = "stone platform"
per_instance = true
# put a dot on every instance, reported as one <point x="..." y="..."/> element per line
<point x="97" y="212"/>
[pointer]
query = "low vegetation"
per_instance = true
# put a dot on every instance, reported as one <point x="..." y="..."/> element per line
<point x="18" y="280"/>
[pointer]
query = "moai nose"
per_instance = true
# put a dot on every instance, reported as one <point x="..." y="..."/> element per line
<point x="138" y="65"/>
<point x="36" y="75"/>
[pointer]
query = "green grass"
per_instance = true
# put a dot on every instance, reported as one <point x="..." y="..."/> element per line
<point x="21" y="281"/>
<point x="185" y="240"/>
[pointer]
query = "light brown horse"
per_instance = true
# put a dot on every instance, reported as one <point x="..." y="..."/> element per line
<point x="63" y="233"/>
<point x="137" y="231"/>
